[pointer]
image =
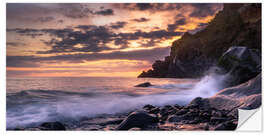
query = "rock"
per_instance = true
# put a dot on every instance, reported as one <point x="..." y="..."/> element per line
<point x="148" y="107"/>
<point x="242" y="63"/>
<point x="199" y="103"/>
<point x="178" y="106"/>
<point x="226" y="126"/>
<point x="138" y="119"/>
<point x="135" y="129"/>
<point x="52" y="126"/>
<point x="175" y="118"/>
<point x="181" y="112"/>
<point x="154" y="110"/>
<point x="244" y="96"/>
<point x="113" y="122"/>
<point x="146" y="84"/>
<point x="193" y="54"/>
<point x="217" y="119"/>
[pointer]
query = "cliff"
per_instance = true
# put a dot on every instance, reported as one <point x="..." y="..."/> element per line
<point x="192" y="55"/>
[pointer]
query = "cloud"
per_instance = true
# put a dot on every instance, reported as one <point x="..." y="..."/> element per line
<point x="60" y="21"/>
<point x="73" y="10"/>
<point x="118" y="25"/>
<point x="144" y="6"/>
<point x="31" y="11"/>
<point x="153" y="7"/>
<point x="34" y="61"/>
<point x="173" y="27"/>
<point x="105" y="12"/>
<point x="15" y="44"/>
<point x="204" y="9"/>
<point x="92" y="38"/>
<point x="45" y="19"/>
<point x="141" y="20"/>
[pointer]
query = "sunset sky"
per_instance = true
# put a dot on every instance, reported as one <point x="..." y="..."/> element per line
<point x="55" y="40"/>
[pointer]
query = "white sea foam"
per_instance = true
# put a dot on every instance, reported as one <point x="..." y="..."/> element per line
<point x="74" y="106"/>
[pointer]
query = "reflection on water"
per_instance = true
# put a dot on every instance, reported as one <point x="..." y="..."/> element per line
<point x="31" y="101"/>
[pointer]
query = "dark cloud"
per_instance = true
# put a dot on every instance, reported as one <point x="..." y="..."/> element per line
<point x="45" y="19"/>
<point x="173" y="27"/>
<point x="60" y="21"/>
<point x="204" y="9"/>
<point x="144" y="6"/>
<point x="92" y="38"/>
<point x="141" y="20"/>
<point x="73" y="10"/>
<point x="34" y="61"/>
<point x="153" y="7"/>
<point x="24" y="11"/>
<point x="105" y="12"/>
<point x="27" y="32"/>
<point x="22" y="61"/>
<point x="118" y="25"/>
<point x="15" y="44"/>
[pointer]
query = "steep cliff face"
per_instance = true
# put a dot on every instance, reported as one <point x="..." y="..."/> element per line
<point x="192" y="55"/>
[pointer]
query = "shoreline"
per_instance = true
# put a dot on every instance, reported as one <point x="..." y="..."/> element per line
<point x="214" y="113"/>
<point x="169" y="117"/>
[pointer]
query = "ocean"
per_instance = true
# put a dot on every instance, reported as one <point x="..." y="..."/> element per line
<point x="31" y="101"/>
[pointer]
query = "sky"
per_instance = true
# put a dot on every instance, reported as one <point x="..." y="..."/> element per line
<point x="96" y="39"/>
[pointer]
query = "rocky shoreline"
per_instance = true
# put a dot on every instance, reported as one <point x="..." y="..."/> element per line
<point x="215" y="113"/>
<point x="169" y="117"/>
<point x="190" y="57"/>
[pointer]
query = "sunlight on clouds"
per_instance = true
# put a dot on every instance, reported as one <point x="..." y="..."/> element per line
<point x="87" y="68"/>
<point x="61" y="36"/>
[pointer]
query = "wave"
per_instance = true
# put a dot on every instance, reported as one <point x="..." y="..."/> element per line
<point x="32" y="107"/>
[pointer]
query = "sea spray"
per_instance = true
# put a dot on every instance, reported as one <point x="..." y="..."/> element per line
<point x="42" y="105"/>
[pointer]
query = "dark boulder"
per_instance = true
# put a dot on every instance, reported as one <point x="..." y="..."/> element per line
<point x="174" y="118"/>
<point x="148" y="107"/>
<point x="181" y="112"/>
<point x="241" y="63"/>
<point x="154" y="111"/>
<point x="228" y="125"/>
<point x="146" y="84"/>
<point x="139" y="119"/>
<point x="52" y="126"/>
<point x="199" y="103"/>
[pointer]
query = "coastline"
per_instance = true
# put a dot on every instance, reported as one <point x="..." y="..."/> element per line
<point x="200" y="114"/>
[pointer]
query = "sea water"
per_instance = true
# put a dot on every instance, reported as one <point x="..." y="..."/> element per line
<point x="31" y="101"/>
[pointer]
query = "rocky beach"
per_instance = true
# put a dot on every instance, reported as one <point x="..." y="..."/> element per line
<point x="232" y="44"/>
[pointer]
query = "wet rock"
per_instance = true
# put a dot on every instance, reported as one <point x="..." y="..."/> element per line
<point x="148" y="107"/>
<point x="139" y="119"/>
<point x="246" y="95"/>
<point x="135" y="129"/>
<point x="146" y="84"/>
<point x="175" y="118"/>
<point x="215" y="120"/>
<point x="242" y="63"/>
<point x="52" y="126"/>
<point x="154" y="111"/>
<point x="229" y="125"/>
<point x="168" y="107"/>
<point x="181" y="112"/>
<point x="112" y="122"/>
<point x="199" y="103"/>
<point x="178" y="106"/>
